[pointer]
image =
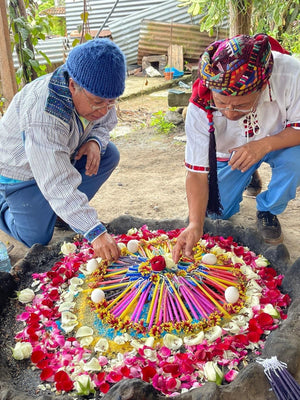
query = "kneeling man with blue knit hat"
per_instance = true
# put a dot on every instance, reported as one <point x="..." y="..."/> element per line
<point x="55" y="151"/>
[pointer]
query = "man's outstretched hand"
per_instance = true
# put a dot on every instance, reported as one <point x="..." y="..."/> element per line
<point x="106" y="247"/>
<point x="186" y="242"/>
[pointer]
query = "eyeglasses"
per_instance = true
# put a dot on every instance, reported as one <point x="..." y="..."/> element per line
<point x="108" y="104"/>
<point x="235" y="108"/>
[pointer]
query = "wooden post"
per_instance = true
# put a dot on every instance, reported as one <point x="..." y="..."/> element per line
<point x="175" y="57"/>
<point x="7" y="71"/>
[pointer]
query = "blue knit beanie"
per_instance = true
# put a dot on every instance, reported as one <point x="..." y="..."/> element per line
<point x="99" y="67"/>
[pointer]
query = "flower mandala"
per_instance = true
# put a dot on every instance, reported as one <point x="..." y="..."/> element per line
<point x="91" y="324"/>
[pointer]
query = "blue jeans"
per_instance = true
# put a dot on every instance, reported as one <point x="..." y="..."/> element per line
<point x="285" y="179"/>
<point x="26" y="215"/>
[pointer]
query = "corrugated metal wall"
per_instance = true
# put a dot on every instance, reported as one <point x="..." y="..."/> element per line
<point x="156" y="37"/>
<point x="98" y="10"/>
<point x="54" y="48"/>
<point x="124" y="23"/>
<point x="126" y="31"/>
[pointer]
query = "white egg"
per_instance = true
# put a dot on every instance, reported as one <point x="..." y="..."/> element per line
<point x="133" y="246"/>
<point x="97" y="295"/>
<point x="121" y="245"/>
<point x="92" y="265"/>
<point x="232" y="295"/>
<point x="209" y="259"/>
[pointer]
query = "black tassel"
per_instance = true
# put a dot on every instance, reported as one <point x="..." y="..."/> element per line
<point x="214" y="203"/>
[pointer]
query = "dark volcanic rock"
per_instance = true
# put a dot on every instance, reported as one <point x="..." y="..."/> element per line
<point x="19" y="382"/>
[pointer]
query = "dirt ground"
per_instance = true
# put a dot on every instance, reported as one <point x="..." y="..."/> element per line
<point x="150" y="179"/>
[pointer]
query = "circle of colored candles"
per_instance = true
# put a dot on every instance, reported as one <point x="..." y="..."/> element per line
<point x="231" y="294"/>
<point x="97" y="295"/>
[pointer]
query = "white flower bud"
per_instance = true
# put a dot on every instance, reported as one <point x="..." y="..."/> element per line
<point x="212" y="372"/>
<point x="269" y="309"/>
<point x="25" y="295"/>
<point x="84" y="385"/>
<point x="22" y="350"/>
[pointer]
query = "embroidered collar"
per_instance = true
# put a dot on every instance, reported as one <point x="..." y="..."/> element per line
<point x="59" y="102"/>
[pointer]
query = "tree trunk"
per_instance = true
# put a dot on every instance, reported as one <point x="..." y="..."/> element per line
<point x="22" y="9"/>
<point x="7" y="71"/>
<point x="240" y="17"/>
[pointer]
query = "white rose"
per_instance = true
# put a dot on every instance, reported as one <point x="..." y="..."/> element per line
<point x="22" y="350"/>
<point x="25" y="295"/>
<point x="68" y="248"/>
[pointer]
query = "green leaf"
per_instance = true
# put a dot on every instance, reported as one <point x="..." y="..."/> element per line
<point x="34" y="63"/>
<point x="45" y="57"/>
<point x="19" y="73"/>
<point x="84" y="16"/>
<point x="75" y="42"/>
<point x="28" y="52"/>
<point x="24" y="34"/>
<point x="88" y="36"/>
<point x="191" y="9"/>
<point x="196" y="10"/>
<point x="19" y="22"/>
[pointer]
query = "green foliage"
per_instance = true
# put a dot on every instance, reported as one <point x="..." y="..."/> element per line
<point x="159" y="122"/>
<point x="2" y="104"/>
<point x="58" y="24"/>
<point x="84" y="35"/>
<point x="27" y="31"/>
<point x="278" y="18"/>
<point x="212" y="13"/>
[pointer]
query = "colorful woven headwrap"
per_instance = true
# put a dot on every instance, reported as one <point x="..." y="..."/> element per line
<point x="237" y="66"/>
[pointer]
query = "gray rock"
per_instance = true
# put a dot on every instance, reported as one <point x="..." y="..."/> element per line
<point x="174" y="117"/>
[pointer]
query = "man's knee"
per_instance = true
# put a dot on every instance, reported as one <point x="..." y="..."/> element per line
<point x="29" y="240"/>
<point x="113" y="154"/>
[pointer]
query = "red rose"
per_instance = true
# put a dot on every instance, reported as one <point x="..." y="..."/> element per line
<point x="158" y="263"/>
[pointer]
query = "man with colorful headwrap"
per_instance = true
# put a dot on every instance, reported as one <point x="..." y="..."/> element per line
<point x="244" y="110"/>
